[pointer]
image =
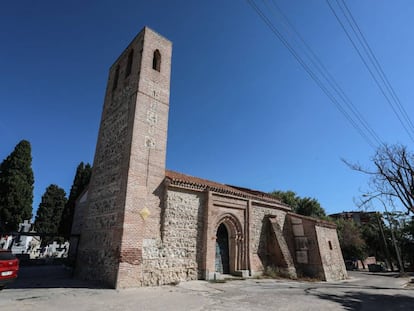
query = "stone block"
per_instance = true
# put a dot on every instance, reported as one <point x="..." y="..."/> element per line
<point x="295" y="220"/>
<point x="298" y="230"/>
<point x="302" y="257"/>
<point x="242" y="273"/>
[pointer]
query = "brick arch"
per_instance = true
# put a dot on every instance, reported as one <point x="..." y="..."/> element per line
<point x="232" y="224"/>
<point x="236" y="240"/>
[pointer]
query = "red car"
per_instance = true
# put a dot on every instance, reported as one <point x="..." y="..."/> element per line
<point x="9" y="268"/>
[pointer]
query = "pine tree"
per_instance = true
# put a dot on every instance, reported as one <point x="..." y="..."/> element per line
<point x="81" y="180"/>
<point x="16" y="187"/>
<point x="50" y="211"/>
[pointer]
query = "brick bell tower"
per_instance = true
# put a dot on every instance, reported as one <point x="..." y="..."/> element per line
<point x="125" y="191"/>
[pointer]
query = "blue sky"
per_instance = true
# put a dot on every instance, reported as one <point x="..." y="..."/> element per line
<point x="242" y="110"/>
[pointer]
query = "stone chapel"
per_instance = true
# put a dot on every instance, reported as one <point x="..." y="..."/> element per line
<point x="140" y="224"/>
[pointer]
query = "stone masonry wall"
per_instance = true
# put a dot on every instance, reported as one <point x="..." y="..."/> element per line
<point x="178" y="255"/>
<point x="258" y="234"/>
<point x="307" y="255"/>
<point x="124" y="200"/>
<point x="331" y="255"/>
<point x="77" y="225"/>
<point x="98" y="253"/>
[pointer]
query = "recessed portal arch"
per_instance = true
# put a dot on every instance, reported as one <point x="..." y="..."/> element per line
<point x="222" y="262"/>
<point x="230" y="250"/>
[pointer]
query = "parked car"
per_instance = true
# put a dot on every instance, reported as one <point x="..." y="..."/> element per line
<point x="376" y="268"/>
<point x="9" y="267"/>
<point x="351" y="265"/>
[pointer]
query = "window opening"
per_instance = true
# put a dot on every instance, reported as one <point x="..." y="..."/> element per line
<point x="116" y="76"/>
<point x="129" y="63"/>
<point x="156" y="61"/>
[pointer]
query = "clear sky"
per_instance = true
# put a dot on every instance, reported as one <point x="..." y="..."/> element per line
<point x="242" y="110"/>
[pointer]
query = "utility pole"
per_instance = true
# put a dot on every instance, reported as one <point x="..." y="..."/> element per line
<point x="397" y="251"/>
<point x="387" y="253"/>
<point x="390" y="220"/>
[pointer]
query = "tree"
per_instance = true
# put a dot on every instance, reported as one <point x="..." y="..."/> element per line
<point x="81" y="180"/>
<point x="392" y="176"/>
<point x="402" y="229"/>
<point x="16" y="187"/>
<point x="310" y="207"/>
<point x="303" y="206"/>
<point x="288" y="197"/>
<point x="350" y="239"/>
<point x="377" y="238"/>
<point x="50" y="212"/>
<point x="407" y="242"/>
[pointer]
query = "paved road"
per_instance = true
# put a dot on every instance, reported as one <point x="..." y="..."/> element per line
<point x="51" y="288"/>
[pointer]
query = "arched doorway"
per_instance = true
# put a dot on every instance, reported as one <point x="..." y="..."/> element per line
<point x="222" y="250"/>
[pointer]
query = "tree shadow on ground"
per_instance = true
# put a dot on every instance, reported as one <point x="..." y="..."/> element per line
<point x="49" y="276"/>
<point x="388" y="274"/>
<point x="366" y="301"/>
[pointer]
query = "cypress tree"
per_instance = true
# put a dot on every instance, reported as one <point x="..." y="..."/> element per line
<point x="50" y="211"/>
<point x="81" y="180"/>
<point x="16" y="187"/>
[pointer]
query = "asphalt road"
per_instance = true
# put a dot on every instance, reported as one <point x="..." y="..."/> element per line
<point x="51" y="288"/>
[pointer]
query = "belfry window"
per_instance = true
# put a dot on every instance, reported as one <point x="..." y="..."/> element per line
<point x="156" y="61"/>
<point x="116" y="77"/>
<point x="129" y="63"/>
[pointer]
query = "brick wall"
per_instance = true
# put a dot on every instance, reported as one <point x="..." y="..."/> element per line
<point x="129" y="165"/>
<point x="146" y="171"/>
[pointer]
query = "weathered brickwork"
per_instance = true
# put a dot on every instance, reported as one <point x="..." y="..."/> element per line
<point x="178" y="255"/>
<point x="232" y="213"/>
<point x="142" y="225"/>
<point x="100" y="238"/>
<point x="129" y="164"/>
<point x="146" y="171"/>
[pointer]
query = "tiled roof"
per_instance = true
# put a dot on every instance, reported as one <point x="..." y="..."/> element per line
<point x="196" y="183"/>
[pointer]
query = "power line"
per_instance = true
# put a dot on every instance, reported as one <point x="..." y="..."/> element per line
<point x="383" y="92"/>
<point x="311" y="73"/>
<point x="387" y="82"/>
<point x="323" y="71"/>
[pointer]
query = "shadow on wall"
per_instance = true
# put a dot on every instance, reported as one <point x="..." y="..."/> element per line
<point x="269" y="250"/>
<point x="200" y="238"/>
<point x="367" y="301"/>
<point x="263" y="249"/>
<point x="266" y="250"/>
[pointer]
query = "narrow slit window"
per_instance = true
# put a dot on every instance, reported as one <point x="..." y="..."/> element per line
<point x="129" y="63"/>
<point x="156" y="61"/>
<point x="330" y="245"/>
<point x="116" y="77"/>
